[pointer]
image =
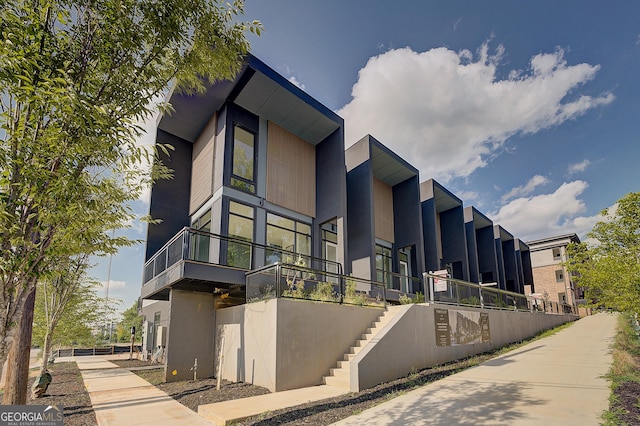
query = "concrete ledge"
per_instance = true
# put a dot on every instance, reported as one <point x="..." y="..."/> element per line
<point x="228" y="412"/>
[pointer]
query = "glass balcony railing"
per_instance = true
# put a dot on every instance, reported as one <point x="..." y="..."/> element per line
<point x="298" y="282"/>
<point x="205" y="247"/>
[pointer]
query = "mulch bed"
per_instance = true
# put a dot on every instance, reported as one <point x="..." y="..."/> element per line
<point x="67" y="389"/>
<point x="627" y="402"/>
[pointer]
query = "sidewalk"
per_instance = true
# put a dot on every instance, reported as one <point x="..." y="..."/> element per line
<point x="556" y="380"/>
<point x="119" y="397"/>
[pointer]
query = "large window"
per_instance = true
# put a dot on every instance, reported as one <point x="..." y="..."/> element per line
<point x="286" y="235"/>
<point x="383" y="265"/>
<point x="243" y="168"/>
<point x="240" y="228"/>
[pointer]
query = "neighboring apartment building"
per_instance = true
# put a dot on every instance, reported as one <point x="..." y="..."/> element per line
<point x="261" y="176"/>
<point x="552" y="281"/>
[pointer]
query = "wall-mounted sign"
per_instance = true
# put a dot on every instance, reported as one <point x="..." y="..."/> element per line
<point x="455" y="327"/>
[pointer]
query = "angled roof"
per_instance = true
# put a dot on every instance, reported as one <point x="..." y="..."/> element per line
<point x="260" y="90"/>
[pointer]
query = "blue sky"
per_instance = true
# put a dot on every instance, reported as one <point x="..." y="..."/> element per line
<point x="528" y="111"/>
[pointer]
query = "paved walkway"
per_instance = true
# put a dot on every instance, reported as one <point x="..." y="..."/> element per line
<point x="119" y="397"/>
<point x="555" y="381"/>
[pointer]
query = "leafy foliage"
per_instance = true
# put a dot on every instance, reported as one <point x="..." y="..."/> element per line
<point x="130" y="318"/>
<point x="609" y="269"/>
<point x="75" y="79"/>
<point x="67" y="309"/>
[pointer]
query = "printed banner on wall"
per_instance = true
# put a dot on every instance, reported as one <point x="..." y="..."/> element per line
<point x="454" y="327"/>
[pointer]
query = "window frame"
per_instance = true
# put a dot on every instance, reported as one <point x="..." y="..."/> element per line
<point x="234" y="179"/>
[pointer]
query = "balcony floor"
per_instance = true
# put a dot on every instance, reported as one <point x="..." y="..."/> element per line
<point x="193" y="276"/>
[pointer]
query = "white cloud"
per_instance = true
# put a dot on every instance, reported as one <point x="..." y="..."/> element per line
<point x="578" y="167"/>
<point x="295" y="81"/>
<point x="113" y="285"/>
<point x="547" y="214"/>
<point x="468" y="197"/>
<point x="526" y="189"/>
<point x="448" y="113"/>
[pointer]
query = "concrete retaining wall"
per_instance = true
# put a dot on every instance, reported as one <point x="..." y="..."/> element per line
<point x="286" y="344"/>
<point x="408" y="342"/>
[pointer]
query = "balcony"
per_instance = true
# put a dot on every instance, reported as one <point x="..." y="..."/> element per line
<point x="202" y="261"/>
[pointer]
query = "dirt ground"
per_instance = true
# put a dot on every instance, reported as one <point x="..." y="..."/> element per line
<point x="628" y="402"/>
<point x="67" y="389"/>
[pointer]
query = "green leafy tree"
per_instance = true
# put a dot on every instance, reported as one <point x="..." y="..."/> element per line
<point x="66" y="309"/>
<point x="75" y="79"/>
<point x="130" y="318"/>
<point x="609" y="268"/>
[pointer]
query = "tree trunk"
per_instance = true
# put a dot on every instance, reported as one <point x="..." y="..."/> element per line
<point x="46" y="351"/>
<point x="17" y="383"/>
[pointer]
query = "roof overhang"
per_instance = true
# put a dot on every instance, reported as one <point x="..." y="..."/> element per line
<point x="443" y="198"/>
<point x="260" y="90"/>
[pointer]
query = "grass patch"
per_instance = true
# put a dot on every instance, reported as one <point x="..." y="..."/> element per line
<point x="624" y="374"/>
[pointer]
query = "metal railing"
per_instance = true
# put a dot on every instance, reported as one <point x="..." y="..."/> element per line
<point x="403" y="283"/>
<point x="298" y="282"/>
<point x="456" y="292"/>
<point x="194" y="245"/>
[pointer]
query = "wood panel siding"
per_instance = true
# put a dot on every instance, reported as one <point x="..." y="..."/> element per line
<point x="202" y="169"/>
<point x="383" y="210"/>
<point x="291" y="171"/>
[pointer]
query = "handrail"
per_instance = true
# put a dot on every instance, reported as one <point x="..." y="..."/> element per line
<point x="486" y="297"/>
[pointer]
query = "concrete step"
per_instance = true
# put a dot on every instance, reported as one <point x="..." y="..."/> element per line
<point x="340" y="376"/>
<point x="339" y="373"/>
<point x="233" y="411"/>
<point x="336" y="382"/>
<point x="343" y="364"/>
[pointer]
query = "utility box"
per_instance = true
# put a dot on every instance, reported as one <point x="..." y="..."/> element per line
<point x="148" y="339"/>
<point x="161" y="336"/>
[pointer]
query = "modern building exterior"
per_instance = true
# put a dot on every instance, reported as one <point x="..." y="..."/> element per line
<point x="259" y="178"/>
<point x="481" y="248"/>
<point x="445" y="243"/>
<point x="262" y="178"/>
<point x="385" y="225"/>
<point x="552" y="280"/>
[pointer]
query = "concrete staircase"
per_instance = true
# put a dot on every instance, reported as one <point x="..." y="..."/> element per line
<point x="340" y="376"/>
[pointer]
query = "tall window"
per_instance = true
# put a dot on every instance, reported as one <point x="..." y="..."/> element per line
<point x="330" y="246"/>
<point x="383" y="265"/>
<point x="288" y="235"/>
<point x="240" y="228"/>
<point x="404" y="259"/>
<point x="243" y="168"/>
<point x="200" y="246"/>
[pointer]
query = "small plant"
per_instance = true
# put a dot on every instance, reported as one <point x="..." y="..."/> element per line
<point x="472" y="301"/>
<point x="351" y="296"/>
<point x="324" y="292"/>
<point x="405" y="300"/>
